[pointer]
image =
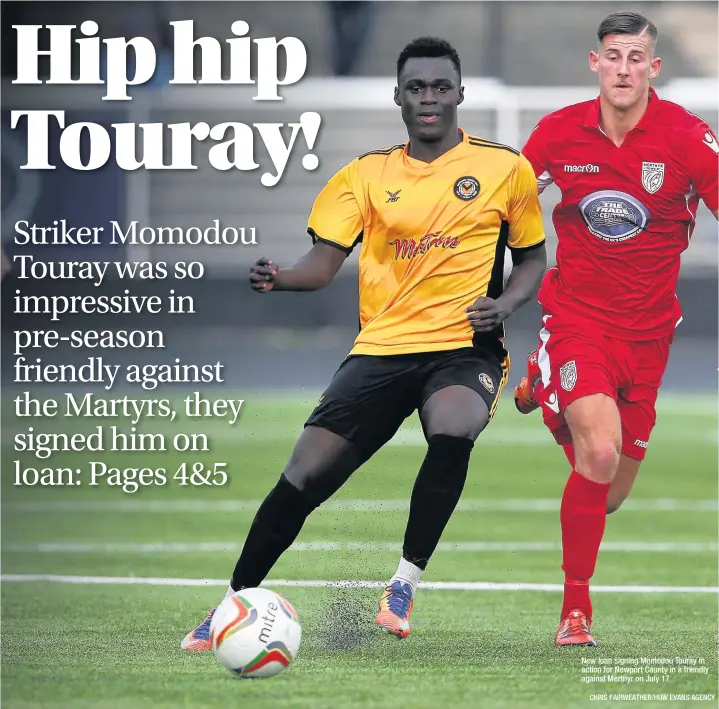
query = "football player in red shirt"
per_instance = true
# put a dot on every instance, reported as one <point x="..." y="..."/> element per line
<point x="631" y="169"/>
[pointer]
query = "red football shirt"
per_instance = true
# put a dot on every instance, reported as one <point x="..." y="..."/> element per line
<point x="626" y="213"/>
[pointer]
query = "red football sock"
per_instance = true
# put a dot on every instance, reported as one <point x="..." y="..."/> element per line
<point x="583" y="515"/>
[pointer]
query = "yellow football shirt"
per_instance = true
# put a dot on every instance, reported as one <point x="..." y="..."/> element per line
<point x="433" y="238"/>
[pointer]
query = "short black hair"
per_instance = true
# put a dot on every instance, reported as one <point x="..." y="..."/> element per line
<point x="631" y="23"/>
<point x="429" y="47"/>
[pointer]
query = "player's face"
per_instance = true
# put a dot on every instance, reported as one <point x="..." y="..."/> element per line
<point x="428" y="93"/>
<point x="625" y="64"/>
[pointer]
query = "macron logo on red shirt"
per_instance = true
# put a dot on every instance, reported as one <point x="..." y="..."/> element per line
<point x="581" y="168"/>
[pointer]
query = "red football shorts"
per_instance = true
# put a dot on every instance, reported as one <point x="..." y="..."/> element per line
<point x="577" y="361"/>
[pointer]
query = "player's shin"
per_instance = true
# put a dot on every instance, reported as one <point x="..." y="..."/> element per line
<point x="275" y="527"/>
<point x="583" y="517"/>
<point x="435" y="495"/>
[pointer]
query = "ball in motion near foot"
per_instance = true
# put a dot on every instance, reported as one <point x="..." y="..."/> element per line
<point x="255" y="633"/>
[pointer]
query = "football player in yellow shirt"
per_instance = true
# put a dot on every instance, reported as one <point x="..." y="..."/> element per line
<point x="432" y="218"/>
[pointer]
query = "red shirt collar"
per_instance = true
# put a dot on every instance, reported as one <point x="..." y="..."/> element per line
<point x="592" y="118"/>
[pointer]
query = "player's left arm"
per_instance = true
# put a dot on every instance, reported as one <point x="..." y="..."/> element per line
<point x="702" y="156"/>
<point x="529" y="255"/>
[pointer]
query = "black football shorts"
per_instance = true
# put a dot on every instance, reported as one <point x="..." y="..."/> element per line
<point x="370" y="396"/>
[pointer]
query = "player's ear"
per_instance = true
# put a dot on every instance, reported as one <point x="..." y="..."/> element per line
<point x="655" y="67"/>
<point x="461" y="95"/>
<point x="594" y="61"/>
<point x="396" y="96"/>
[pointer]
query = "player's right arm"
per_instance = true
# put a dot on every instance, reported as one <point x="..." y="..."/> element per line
<point x="313" y="271"/>
<point x="335" y="226"/>
<point x="535" y="151"/>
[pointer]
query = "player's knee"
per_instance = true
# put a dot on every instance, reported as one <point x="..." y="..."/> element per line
<point x="467" y="428"/>
<point x="462" y="432"/>
<point x="302" y="469"/>
<point x="307" y="485"/>
<point x="598" y="459"/>
<point x="449" y="446"/>
<point x="456" y="412"/>
<point x="296" y="477"/>
<point x="317" y="456"/>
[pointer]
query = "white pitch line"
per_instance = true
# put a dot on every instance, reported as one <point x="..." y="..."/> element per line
<point x="350" y="505"/>
<point x="498" y="436"/>
<point x="323" y="546"/>
<point x="277" y="583"/>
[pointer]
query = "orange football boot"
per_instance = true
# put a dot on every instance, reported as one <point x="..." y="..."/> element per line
<point x="199" y="638"/>
<point x="574" y="630"/>
<point x="524" y="392"/>
<point x="395" y="607"/>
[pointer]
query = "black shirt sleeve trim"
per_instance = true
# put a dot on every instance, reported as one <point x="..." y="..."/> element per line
<point x="347" y="249"/>
<point x="528" y="248"/>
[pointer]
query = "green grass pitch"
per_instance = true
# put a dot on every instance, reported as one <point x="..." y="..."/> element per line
<point x="115" y="645"/>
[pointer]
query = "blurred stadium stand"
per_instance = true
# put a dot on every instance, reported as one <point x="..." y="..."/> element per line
<point x="358" y="116"/>
<point x="532" y="59"/>
<point x="516" y="41"/>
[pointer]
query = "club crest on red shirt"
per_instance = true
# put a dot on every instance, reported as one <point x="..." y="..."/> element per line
<point x="652" y="176"/>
